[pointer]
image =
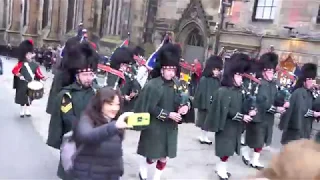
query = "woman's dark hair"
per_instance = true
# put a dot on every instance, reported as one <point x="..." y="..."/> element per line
<point x="94" y="108"/>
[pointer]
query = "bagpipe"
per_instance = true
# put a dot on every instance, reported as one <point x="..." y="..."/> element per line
<point x="183" y="98"/>
<point x="250" y="88"/>
<point x="131" y="72"/>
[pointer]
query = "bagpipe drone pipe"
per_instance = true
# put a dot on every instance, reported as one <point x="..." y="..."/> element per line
<point x="183" y="98"/>
<point x="250" y="89"/>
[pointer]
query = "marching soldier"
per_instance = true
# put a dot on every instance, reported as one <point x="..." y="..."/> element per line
<point x="71" y="100"/>
<point x="226" y="117"/>
<point x="160" y="97"/>
<point x="119" y="60"/>
<point x="24" y="72"/>
<point x="259" y="130"/>
<point x="296" y="123"/>
<point x="209" y="83"/>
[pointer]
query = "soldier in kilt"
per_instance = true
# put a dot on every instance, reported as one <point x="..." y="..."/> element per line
<point x="161" y="99"/>
<point x="209" y="83"/>
<point x="259" y="130"/>
<point x="226" y="116"/>
<point x="298" y="120"/>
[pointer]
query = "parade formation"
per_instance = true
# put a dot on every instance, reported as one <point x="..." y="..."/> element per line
<point x="237" y="98"/>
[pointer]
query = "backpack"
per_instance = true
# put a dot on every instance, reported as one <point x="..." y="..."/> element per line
<point x="69" y="151"/>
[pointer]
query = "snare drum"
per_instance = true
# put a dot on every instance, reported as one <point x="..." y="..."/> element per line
<point x="35" y="90"/>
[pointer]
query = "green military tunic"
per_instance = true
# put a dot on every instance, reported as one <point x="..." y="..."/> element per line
<point x="159" y="98"/>
<point x="69" y="104"/>
<point x="295" y="123"/>
<point x="21" y="86"/>
<point x="259" y="130"/>
<point x="204" y="92"/>
<point x="225" y="119"/>
<point x="60" y="80"/>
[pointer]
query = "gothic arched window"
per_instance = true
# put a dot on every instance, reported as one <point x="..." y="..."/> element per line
<point x="195" y="38"/>
<point x="45" y="15"/>
<point x="70" y="15"/>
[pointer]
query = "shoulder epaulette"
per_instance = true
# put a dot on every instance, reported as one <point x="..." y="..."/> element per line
<point x="66" y="104"/>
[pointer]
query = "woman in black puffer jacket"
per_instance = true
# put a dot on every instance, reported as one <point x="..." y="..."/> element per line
<point x="101" y="137"/>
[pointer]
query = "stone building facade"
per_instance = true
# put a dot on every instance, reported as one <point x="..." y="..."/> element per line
<point x="250" y="25"/>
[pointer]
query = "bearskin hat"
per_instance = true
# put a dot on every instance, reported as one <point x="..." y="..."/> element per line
<point x="308" y="70"/>
<point x="138" y="51"/>
<point x="238" y="63"/>
<point x="213" y="62"/>
<point x="24" y="47"/>
<point x="82" y="57"/>
<point x="119" y="56"/>
<point x="268" y="60"/>
<point x="169" y="55"/>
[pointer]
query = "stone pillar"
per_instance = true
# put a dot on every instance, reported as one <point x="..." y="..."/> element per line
<point x="34" y="9"/>
<point x="109" y="17"/>
<point x="63" y="20"/>
<point x="97" y="16"/>
<point x="13" y="35"/>
<point x="54" y="33"/>
<point x="113" y="23"/>
<point x="118" y="17"/>
<point x="2" y="14"/>
<point x="15" y="16"/>
<point x="87" y="14"/>
<point x="79" y="12"/>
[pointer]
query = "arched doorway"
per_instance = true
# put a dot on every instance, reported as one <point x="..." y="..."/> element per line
<point x="193" y="43"/>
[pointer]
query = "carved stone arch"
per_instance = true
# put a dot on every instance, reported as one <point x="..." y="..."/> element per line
<point x="193" y="13"/>
<point x="193" y="19"/>
<point x="185" y="32"/>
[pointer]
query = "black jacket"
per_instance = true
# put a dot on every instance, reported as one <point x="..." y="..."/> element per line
<point x="101" y="157"/>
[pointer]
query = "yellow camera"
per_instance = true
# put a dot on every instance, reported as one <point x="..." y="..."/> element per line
<point x="139" y="120"/>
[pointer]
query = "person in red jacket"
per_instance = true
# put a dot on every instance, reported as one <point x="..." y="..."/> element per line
<point x="24" y="72"/>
